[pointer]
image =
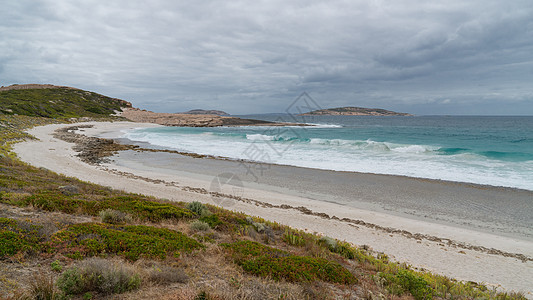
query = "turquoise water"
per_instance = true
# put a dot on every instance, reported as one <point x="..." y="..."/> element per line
<point x="485" y="150"/>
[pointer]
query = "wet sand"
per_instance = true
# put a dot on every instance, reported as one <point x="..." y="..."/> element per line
<point x="502" y="211"/>
<point x="470" y="232"/>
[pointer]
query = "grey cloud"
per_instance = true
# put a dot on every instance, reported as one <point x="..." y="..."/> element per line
<point x="251" y="57"/>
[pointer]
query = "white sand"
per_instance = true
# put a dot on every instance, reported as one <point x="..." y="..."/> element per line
<point x="493" y="270"/>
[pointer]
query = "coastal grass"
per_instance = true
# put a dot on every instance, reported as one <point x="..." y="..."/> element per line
<point x="257" y="253"/>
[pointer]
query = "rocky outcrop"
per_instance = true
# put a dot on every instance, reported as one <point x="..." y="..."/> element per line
<point x="354" y="111"/>
<point x="192" y="120"/>
<point x="206" y="112"/>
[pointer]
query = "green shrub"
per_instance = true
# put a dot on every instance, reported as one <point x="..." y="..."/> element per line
<point x="299" y="268"/>
<point x="11" y="243"/>
<point x="113" y="216"/>
<point x="293" y="239"/>
<point x="56" y="266"/>
<point x="134" y="205"/>
<point x="131" y="242"/>
<point x="155" y="212"/>
<point x="199" y="226"/>
<point x="17" y="236"/>
<point x="197" y="208"/>
<point x="265" y="261"/>
<point x="408" y="281"/>
<point x="212" y="220"/>
<point x="98" y="275"/>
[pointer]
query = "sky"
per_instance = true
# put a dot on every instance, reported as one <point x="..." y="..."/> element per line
<point x="422" y="57"/>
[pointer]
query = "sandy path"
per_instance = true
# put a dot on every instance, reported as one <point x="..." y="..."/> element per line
<point x="494" y="270"/>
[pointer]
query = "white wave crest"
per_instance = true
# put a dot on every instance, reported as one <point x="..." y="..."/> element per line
<point x="260" y="137"/>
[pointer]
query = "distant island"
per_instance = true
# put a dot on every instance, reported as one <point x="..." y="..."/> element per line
<point x="353" y="111"/>
<point x="206" y="112"/>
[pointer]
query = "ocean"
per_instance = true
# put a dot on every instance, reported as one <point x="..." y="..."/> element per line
<point x="488" y="150"/>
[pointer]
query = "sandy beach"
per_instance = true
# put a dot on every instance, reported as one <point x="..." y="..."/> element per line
<point x="469" y="232"/>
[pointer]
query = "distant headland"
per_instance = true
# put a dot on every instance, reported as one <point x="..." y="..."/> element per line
<point x="354" y="111"/>
<point x="206" y="112"/>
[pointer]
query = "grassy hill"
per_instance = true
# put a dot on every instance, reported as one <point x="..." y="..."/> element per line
<point x="56" y="102"/>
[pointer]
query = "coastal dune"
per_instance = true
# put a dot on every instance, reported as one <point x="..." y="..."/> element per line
<point x="462" y="252"/>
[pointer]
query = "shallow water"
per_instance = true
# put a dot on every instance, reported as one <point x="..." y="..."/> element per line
<point x="496" y="151"/>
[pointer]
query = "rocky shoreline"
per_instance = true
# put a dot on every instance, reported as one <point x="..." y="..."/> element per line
<point x="194" y="120"/>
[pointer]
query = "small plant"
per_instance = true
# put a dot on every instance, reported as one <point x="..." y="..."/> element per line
<point x="56" y="266"/>
<point x="98" y="275"/>
<point x="293" y="239"/>
<point x="113" y="216"/>
<point x="330" y="243"/>
<point x="408" y="281"/>
<point x="42" y="287"/>
<point x="199" y="226"/>
<point x="212" y="220"/>
<point x="198" y="208"/>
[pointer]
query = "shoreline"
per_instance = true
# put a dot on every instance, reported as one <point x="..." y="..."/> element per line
<point x="446" y="259"/>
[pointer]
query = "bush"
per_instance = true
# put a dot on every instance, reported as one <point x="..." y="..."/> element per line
<point x="98" y="275"/>
<point x="408" y="281"/>
<point x="199" y="226"/>
<point x="299" y="268"/>
<point x="134" y="205"/>
<point x="11" y="243"/>
<point x="212" y="220"/>
<point x="113" y="216"/>
<point x="197" y="208"/>
<point x="131" y="242"/>
<point x="265" y="261"/>
<point x="17" y="236"/>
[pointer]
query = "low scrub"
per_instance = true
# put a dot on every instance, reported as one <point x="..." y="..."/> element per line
<point x="16" y="236"/>
<point x="100" y="276"/>
<point x="199" y="226"/>
<point x="197" y="208"/>
<point x="131" y="242"/>
<point x="407" y="281"/>
<point x="265" y="261"/>
<point x="134" y="205"/>
<point x="113" y="216"/>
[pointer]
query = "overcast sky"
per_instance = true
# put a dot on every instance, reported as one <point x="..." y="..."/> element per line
<point x="422" y="57"/>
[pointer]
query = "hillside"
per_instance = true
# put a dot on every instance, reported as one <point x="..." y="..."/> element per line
<point x="354" y="111"/>
<point x="56" y="102"/>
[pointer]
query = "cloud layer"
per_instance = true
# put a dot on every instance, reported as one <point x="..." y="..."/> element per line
<point x="425" y="57"/>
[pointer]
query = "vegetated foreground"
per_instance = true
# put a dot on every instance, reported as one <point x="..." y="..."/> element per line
<point x="61" y="237"/>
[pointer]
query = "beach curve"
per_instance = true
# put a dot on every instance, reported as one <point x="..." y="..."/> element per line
<point x="458" y="262"/>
